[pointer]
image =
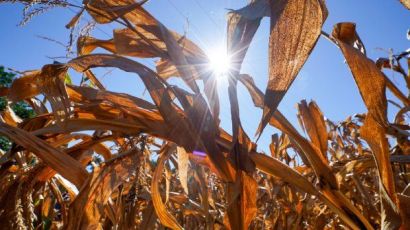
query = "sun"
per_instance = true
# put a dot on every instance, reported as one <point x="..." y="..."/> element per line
<point x="219" y="61"/>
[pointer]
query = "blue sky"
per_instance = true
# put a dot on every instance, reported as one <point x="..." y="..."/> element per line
<point x="325" y="78"/>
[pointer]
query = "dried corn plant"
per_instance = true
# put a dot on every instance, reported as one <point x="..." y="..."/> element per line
<point x="95" y="159"/>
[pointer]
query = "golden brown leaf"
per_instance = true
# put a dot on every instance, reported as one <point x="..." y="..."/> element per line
<point x="406" y="3"/>
<point x="369" y="79"/>
<point x="372" y="87"/>
<point x="274" y="167"/>
<point x="105" y="11"/>
<point x="182" y="133"/>
<point x="163" y="215"/>
<point x="9" y="117"/>
<point x="183" y="161"/>
<point x="51" y="82"/>
<point x="242" y="26"/>
<point x="57" y="160"/>
<point x="87" y="208"/>
<point x="314" y="124"/>
<point x="295" y="28"/>
<point x="241" y="197"/>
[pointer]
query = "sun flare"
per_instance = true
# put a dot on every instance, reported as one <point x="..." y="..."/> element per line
<point x="219" y="62"/>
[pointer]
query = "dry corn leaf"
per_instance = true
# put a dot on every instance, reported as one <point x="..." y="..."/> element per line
<point x="178" y="58"/>
<point x="148" y="217"/>
<point x="161" y="210"/>
<point x="86" y="45"/>
<point x="105" y="11"/>
<point x="135" y="14"/>
<point x="150" y="38"/>
<point x="372" y="87"/>
<point x="241" y="30"/>
<point x="276" y="168"/>
<point x="51" y="82"/>
<point x="256" y="94"/>
<point x="183" y="161"/>
<point x="241" y="198"/>
<point x="295" y="28"/>
<point x="242" y="26"/>
<point x="375" y="136"/>
<point x="386" y="63"/>
<point x="404" y="201"/>
<point x="314" y="124"/>
<point x="241" y="194"/>
<point x="127" y="43"/>
<point x="182" y="133"/>
<point x="83" y="94"/>
<point x="318" y="162"/>
<point x="57" y="160"/>
<point x="9" y="117"/>
<point x="406" y="3"/>
<point x="198" y="113"/>
<point x="312" y="153"/>
<point x="306" y="183"/>
<point x="24" y="87"/>
<point x="80" y="152"/>
<point x="88" y="207"/>
<point x="59" y="197"/>
<point x="369" y="79"/>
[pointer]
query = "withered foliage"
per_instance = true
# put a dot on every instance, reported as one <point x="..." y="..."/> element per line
<point x="96" y="159"/>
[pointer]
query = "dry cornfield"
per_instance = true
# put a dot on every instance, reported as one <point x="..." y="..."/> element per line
<point x="91" y="158"/>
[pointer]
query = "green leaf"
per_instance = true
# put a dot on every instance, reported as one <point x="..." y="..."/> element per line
<point x="67" y="79"/>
